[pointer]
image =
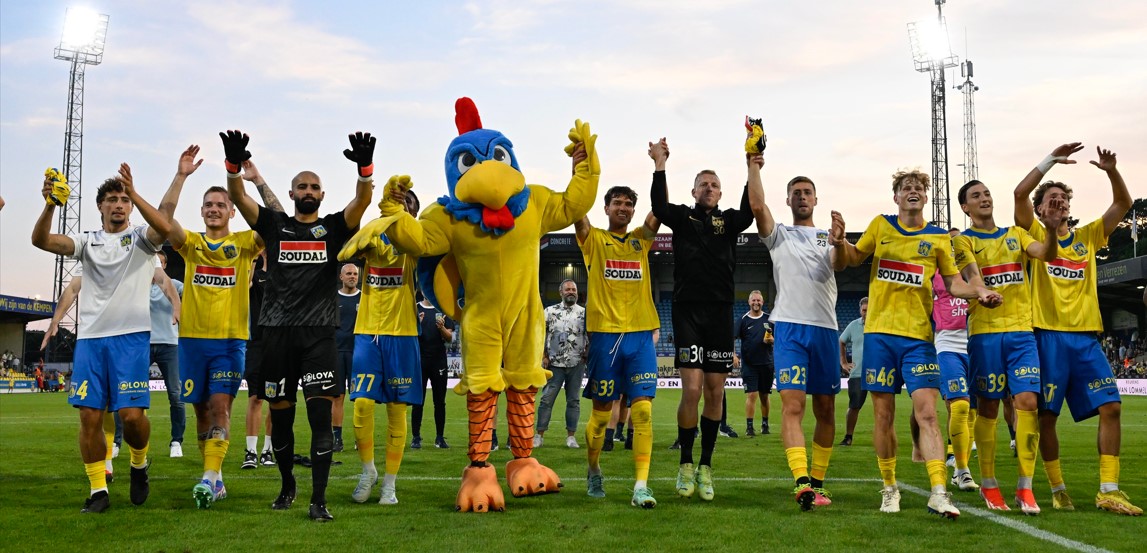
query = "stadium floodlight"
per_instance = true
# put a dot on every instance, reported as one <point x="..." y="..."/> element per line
<point x="83" y="38"/>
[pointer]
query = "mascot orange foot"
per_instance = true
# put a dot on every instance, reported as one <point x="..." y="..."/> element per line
<point x="527" y="476"/>
<point x="480" y="491"/>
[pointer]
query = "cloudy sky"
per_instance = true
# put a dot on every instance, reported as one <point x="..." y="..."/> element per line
<point x="833" y="80"/>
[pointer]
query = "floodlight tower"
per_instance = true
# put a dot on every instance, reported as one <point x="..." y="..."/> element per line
<point x="82" y="44"/>
<point x="971" y="162"/>
<point x="932" y="54"/>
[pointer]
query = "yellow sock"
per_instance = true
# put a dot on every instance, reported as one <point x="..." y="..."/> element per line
<point x="798" y="462"/>
<point x="986" y="441"/>
<point x="96" y="476"/>
<point x="202" y="443"/>
<point x="1055" y="474"/>
<point x="887" y="470"/>
<point x="595" y="435"/>
<point x="396" y="435"/>
<point x="1109" y="471"/>
<point x="138" y="456"/>
<point x="958" y="432"/>
<point x="973" y="414"/>
<point x="213" y="453"/>
<point x="109" y="434"/>
<point x="1027" y="441"/>
<point x="820" y="457"/>
<point x="364" y="428"/>
<point x="641" y="421"/>
<point x="937" y="473"/>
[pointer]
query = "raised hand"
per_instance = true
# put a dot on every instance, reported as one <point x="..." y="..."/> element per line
<point x="235" y="149"/>
<point x="577" y="156"/>
<point x="1106" y="159"/>
<point x="55" y="190"/>
<point x="836" y="234"/>
<point x="394" y="195"/>
<point x="126" y="181"/>
<point x="1054" y="213"/>
<point x="582" y="137"/>
<point x="755" y="159"/>
<point x="361" y="152"/>
<point x="250" y="172"/>
<point x="659" y="151"/>
<point x="1062" y="152"/>
<point x="187" y="163"/>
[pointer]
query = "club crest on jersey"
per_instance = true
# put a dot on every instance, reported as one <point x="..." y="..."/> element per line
<point x="1066" y="269"/>
<point x="925" y="248"/>
<point x="384" y="277"/>
<point x="230" y="251"/>
<point x="302" y="252"/>
<point x="622" y="270"/>
<point x="214" y="277"/>
<point x="1080" y="248"/>
<point x="319" y="231"/>
<point x="718" y="225"/>
<point x="636" y="244"/>
<point x="1003" y="274"/>
<point x="899" y="272"/>
<point x="1013" y="244"/>
<point x="125" y="242"/>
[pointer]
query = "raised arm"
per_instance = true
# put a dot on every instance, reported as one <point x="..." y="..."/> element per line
<point x="844" y="253"/>
<point x="361" y="152"/>
<point x="251" y="174"/>
<point x="566" y="208"/>
<point x="1120" y="197"/>
<point x="42" y="236"/>
<point x="1053" y="216"/>
<point x="187" y="165"/>
<point x="235" y="150"/>
<point x="581" y="226"/>
<point x="659" y="191"/>
<point x="1024" y="210"/>
<point x="67" y="298"/>
<point x="158" y="225"/>
<point x="761" y="211"/>
<point x="651" y="226"/>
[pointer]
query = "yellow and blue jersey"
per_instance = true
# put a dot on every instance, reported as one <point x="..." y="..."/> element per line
<point x="1064" y="295"/>
<point x="387" y="306"/>
<point x="215" y="295"/>
<point x="619" y="298"/>
<point x="900" y="285"/>
<point x="1001" y="255"/>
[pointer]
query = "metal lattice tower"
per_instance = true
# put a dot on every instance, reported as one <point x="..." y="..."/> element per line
<point x="971" y="162"/>
<point x="933" y="55"/>
<point x="81" y="45"/>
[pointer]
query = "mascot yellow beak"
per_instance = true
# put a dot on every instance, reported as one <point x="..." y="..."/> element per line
<point x="490" y="183"/>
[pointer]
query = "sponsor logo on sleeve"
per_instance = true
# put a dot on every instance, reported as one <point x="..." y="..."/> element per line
<point x="899" y="272"/>
<point x="1003" y="274"/>
<point x="302" y="252"/>
<point x="1066" y="269"/>
<point x="384" y="277"/>
<point x="215" y="277"/>
<point x="622" y="270"/>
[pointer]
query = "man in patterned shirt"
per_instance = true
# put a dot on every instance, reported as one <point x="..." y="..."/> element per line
<point x="564" y="356"/>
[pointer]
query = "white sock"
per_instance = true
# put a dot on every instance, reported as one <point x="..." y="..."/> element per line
<point x="940" y="488"/>
<point x="108" y="465"/>
<point x="992" y="483"/>
<point x="94" y="492"/>
<point x="962" y="471"/>
<point x="388" y="479"/>
<point x="369" y="468"/>
<point x="252" y="443"/>
<point x="1107" y="487"/>
<point x="640" y="484"/>
<point x="211" y="476"/>
<point x="1024" y="483"/>
<point x="266" y="443"/>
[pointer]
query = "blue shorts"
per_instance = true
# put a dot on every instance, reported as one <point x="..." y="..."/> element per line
<point x="806" y="358"/>
<point x="211" y="366"/>
<point x="894" y="361"/>
<point x="112" y="373"/>
<point x="621" y="364"/>
<point x="1004" y="363"/>
<point x="953" y="375"/>
<point x="387" y="369"/>
<point x="1075" y="369"/>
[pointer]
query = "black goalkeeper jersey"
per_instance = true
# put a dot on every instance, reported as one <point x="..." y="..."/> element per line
<point x="704" y="244"/>
<point x="303" y="268"/>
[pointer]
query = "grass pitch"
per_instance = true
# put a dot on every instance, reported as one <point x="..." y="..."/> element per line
<point x="43" y="488"/>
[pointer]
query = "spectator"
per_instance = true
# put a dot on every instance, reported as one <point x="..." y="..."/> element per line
<point x="564" y="356"/>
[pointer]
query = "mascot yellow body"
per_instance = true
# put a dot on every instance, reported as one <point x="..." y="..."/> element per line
<point x="482" y="242"/>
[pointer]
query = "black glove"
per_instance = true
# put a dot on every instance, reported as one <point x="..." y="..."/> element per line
<point x="235" y="148"/>
<point x="361" y="151"/>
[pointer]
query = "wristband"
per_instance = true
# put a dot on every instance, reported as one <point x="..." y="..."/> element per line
<point x="232" y="168"/>
<point x="1045" y="165"/>
<point x="366" y="173"/>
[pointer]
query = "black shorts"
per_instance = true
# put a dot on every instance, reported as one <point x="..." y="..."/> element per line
<point x="756" y="376"/>
<point x="856" y="393"/>
<point x="251" y="367"/>
<point x="703" y="336"/>
<point x="300" y="353"/>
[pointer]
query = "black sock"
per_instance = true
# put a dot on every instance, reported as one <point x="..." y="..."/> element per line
<point x="1012" y="431"/>
<point x="749" y="423"/>
<point x="803" y="480"/>
<point x="848" y="437"/>
<point x="816" y="483"/>
<point x="609" y="434"/>
<point x="338" y="431"/>
<point x="724" y="410"/>
<point x="322" y="444"/>
<point x="709" y="428"/>
<point x="685" y="438"/>
<point x="283" y="443"/>
<point x="620" y="429"/>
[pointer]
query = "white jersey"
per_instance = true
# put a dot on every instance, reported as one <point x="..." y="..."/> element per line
<point x="118" y="268"/>
<point x="802" y="270"/>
